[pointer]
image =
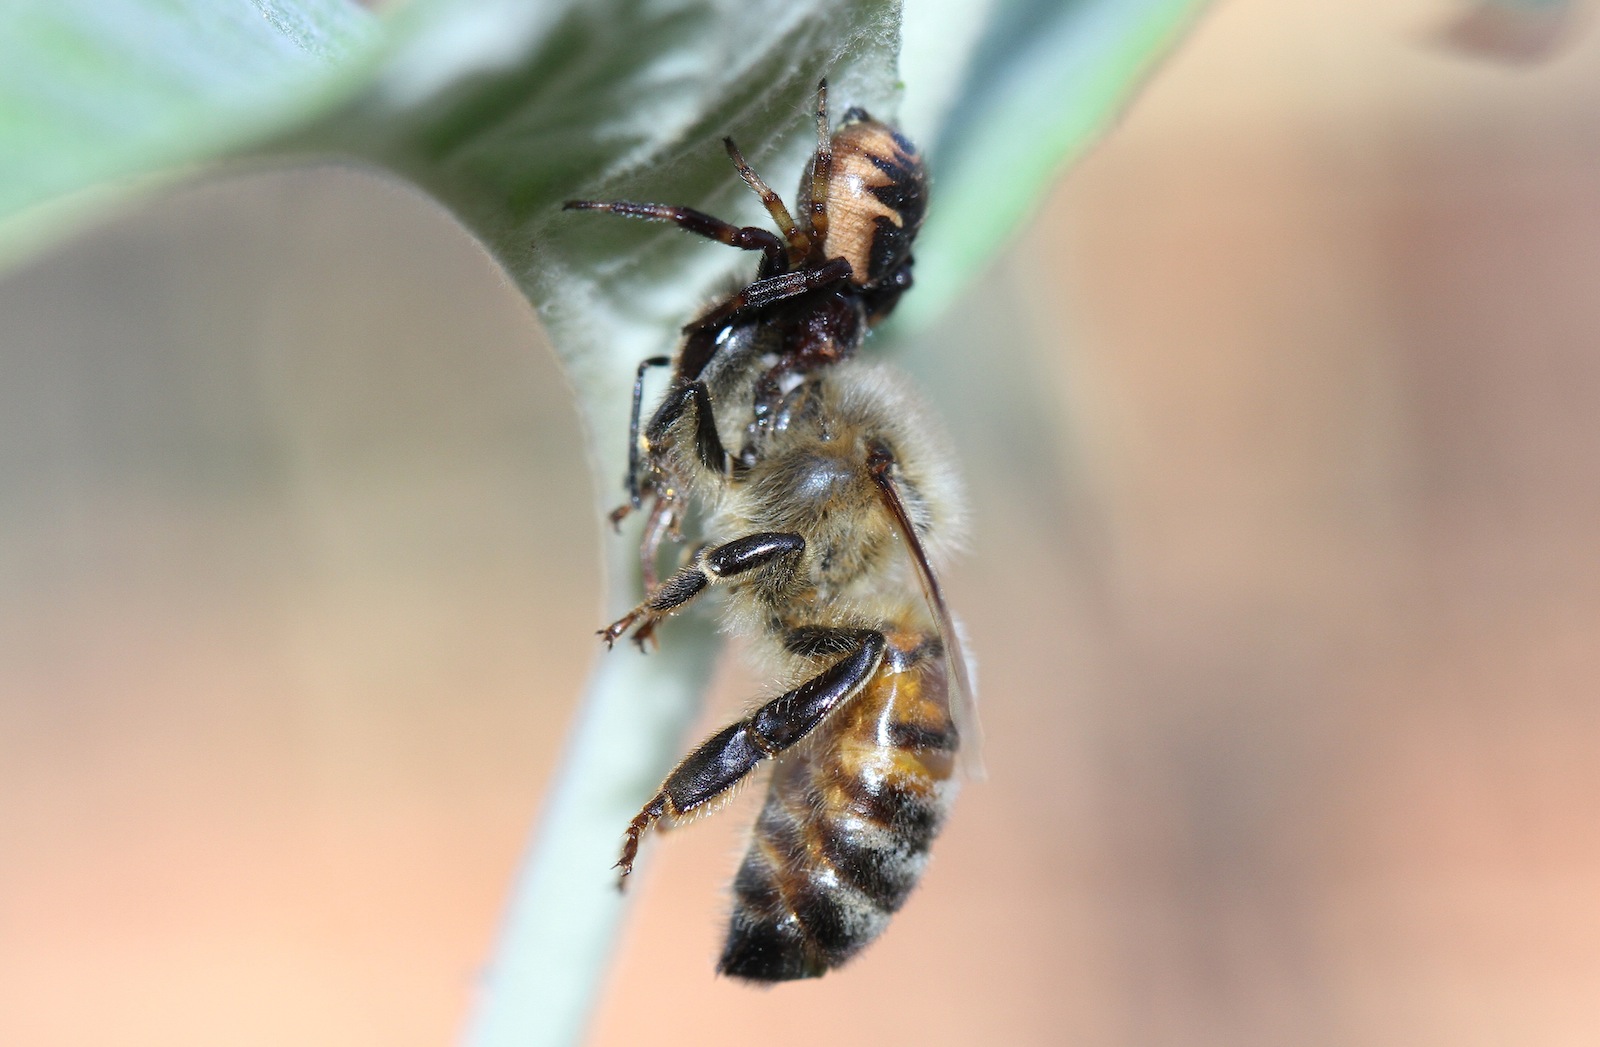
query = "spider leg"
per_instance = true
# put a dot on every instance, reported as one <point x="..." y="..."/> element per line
<point x="746" y="238"/>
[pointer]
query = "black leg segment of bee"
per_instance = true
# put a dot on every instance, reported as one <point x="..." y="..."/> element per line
<point x="707" y="442"/>
<point x="632" y="482"/>
<point x="725" y="758"/>
<point x="728" y="560"/>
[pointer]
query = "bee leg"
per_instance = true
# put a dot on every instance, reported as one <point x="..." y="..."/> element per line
<point x="662" y="523"/>
<point x="819" y="641"/>
<point x="645" y="635"/>
<point x="707" y="442"/>
<point x="746" y="238"/>
<point x="725" y="561"/>
<point x="631" y="484"/>
<point x="725" y="758"/>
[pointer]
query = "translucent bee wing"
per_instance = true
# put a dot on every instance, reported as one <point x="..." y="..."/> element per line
<point x="961" y="692"/>
<point x="963" y="688"/>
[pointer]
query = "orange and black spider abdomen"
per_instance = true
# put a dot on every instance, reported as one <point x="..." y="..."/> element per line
<point x="877" y="195"/>
<point x="844" y="835"/>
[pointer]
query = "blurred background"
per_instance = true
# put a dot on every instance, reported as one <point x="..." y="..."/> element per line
<point x="1280" y="426"/>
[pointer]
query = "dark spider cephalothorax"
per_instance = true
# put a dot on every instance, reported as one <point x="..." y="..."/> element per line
<point x="829" y="497"/>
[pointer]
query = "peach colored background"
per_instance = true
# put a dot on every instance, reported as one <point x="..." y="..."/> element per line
<point x="1286" y="591"/>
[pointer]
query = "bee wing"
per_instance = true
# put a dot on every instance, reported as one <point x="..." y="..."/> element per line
<point x="962" y="695"/>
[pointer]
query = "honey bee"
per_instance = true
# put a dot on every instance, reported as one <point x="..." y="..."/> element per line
<point x="829" y="498"/>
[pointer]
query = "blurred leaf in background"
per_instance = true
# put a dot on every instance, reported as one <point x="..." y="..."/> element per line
<point x="1518" y="31"/>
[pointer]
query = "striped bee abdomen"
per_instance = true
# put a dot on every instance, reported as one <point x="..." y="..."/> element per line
<point x="844" y="834"/>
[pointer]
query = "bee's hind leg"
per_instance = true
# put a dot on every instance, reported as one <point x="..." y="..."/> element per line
<point x="725" y="758"/>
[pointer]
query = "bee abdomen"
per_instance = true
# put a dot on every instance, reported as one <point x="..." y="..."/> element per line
<point x="833" y="856"/>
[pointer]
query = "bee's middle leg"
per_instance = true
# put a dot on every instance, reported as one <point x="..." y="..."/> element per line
<point x="709" y="566"/>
